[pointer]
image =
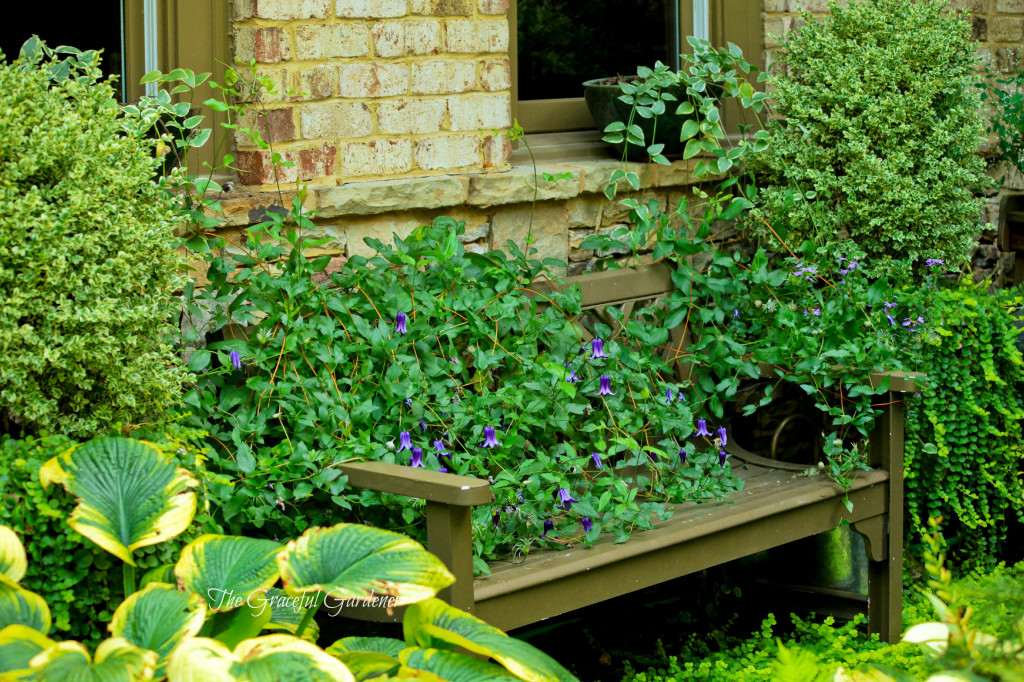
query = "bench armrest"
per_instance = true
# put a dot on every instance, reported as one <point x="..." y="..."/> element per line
<point x="432" y="486"/>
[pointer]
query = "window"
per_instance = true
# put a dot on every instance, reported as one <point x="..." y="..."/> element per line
<point x="558" y="44"/>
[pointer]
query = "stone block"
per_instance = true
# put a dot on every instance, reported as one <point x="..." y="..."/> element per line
<point x="448" y="76"/>
<point x="584" y="212"/>
<point x="317" y="162"/>
<point x="402" y="194"/>
<point x="378" y="157"/>
<point x="497" y="152"/>
<point x="477" y="35"/>
<point x="597" y="174"/>
<point x="517" y="185"/>
<point x="447" y="153"/>
<point x="441" y="8"/>
<point x="1005" y="29"/>
<point x="400" y="38"/>
<point x="284" y="10"/>
<point x="372" y="9"/>
<point x="373" y="79"/>
<point x="547" y="225"/>
<point x="475" y="233"/>
<point x="576" y="237"/>
<point x="318" y="41"/>
<point x="495" y="74"/>
<point x="256" y="168"/>
<point x="317" y="82"/>
<point x="336" y="119"/>
<point x="1010" y="6"/>
<point x="409" y="116"/>
<point x="378" y="227"/>
<point x="265" y="45"/>
<point x="480" y="112"/>
<point x="677" y="174"/>
<point x="493" y="6"/>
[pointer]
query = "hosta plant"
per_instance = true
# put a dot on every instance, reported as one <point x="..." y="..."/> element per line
<point x="205" y="617"/>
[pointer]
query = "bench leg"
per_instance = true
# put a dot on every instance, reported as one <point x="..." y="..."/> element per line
<point x="450" y="539"/>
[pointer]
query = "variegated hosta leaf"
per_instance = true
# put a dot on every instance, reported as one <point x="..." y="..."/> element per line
<point x="286" y="613"/>
<point x="435" y="624"/>
<point x="452" y="667"/>
<point x="117" y="660"/>
<point x="18" y="606"/>
<point x="163" y="573"/>
<point x="224" y="570"/>
<point x="157" y="618"/>
<point x="353" y="561"/>
<point x="262" y="659"/>
<point x="19" y="644"/>
<point x="368" y="657"/>
<point x="13" y="562"/>
<point x="129" y="494"/>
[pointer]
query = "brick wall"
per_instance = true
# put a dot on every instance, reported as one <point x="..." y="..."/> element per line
<point x="378" y="88"/>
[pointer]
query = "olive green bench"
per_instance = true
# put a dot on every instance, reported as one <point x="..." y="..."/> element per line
<point x="780" y="503"/>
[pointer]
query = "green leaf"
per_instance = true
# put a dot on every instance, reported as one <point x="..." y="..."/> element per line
<point x="158" y="618"/>
<point x="19" y="644"/>
<point x="368" y="657"/>
<point x="271" y="657"/>
<point x="13" y="562"/>
<point x="224" y="570"/>
<point x="453" y="667"/>
<point x="18" y="606"/>
<point x="692" y="149"/>
<point x="689" y="129"/>
<point x="286" y="613"/>
<point x="117" y="660"/>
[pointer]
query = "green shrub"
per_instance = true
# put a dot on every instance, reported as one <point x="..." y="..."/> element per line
<point x="964" y="451"/>
<point x="879" y="124"/>
<point x="87" y="268"/>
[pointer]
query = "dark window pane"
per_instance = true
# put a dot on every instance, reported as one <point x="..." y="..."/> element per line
<point x="565" y="42"/>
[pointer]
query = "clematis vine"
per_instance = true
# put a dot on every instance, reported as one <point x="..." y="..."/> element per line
<point x="439" y="450"/>
<point x="443" y="470"/>
<point x="597" y="350"/>
<point x="416" y="461"/>
<point x="400" y="324"/>
<point x="549" y="526"/>
<point x="423" y="426"/>
<point x="683" y="454"/>
<point x="597" y="460"/>
<point x="721" y="436"/>
<point x="702" y="428"/>
<point x="587" y="525"/>
<point x="490" y="439"/>
<point x="496" y="520"/>
<point x="236" y="359"/>
<point x="605" y="385"/>
<point x="668" y="395"/>
<point x="565" y="499"/>
<point x="408" y="402"/>
<point x="721" y="458"/>
<point x="404" y="441"/>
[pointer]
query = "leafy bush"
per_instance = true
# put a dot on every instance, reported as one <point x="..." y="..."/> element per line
<point x="964" y="456"/>
<point x="877" y="134"/>
<point x="87" y="268"/>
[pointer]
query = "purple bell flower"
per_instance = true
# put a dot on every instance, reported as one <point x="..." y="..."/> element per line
<point x="236" y="359"/>
<point x="702" y="428"/>
<point x="668" y="395"/>
<point x="443" y="470"/>
<point x="496" y="520"/>
<point x="605" y="385"/>
<point x="549" y="526"/>
<point x="404" y="441"/>
<point x="587" y="525"/>
<point x="490" y="439"/>
<point x="400" y="324"/>
<point x="721" y="435"/>
<point x="683" y="454"/>
<point x="597" y="350"/>
<point x="440" y="451"/>
<point x="416" y="461"/>
<point x="565" y="499"/>
<point x="572" y="378"/>
<point x="597" y="460"/>
<point x="735" y="313"/>
<point x="423" y="426"/>
<point x="721" y="458"/>
<point x="408" y="402"/>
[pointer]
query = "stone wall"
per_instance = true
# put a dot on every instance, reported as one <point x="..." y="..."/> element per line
<point x="376" y="88"/>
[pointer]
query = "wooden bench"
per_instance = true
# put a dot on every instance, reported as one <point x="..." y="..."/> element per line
<point x="779" y="504"/>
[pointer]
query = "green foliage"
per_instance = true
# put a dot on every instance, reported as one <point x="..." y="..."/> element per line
<point x="77" y="579"/>
<point x="878" y="132"/>
<point x="813" y="649"/>
<point x="87" y="268"/>
<point x="1004" y="93"/>
<point x="964" y="455"/>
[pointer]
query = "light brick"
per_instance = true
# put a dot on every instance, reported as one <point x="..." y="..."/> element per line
<point x="441" y="8"/>
<point x="443" y="77"/>
<point x="318" y="82"/>
<point x="255" y="168"/>
<point x="291" y="9"/>
<point x="398" y="38"/>
<point x="265" y="45"/>
<point x="448" y="153"/>
<point x="373" y="9"/>
<point x="776" y="5"/>
<point x="477" y="112"/>
<point x="242" y="9"/>
<point x="373" y="79"/>
<point x="497" y="152"/>
<point x="478" y="35"/>
<point x="493" y="6"/>
<point x="314" y="41"/>
<point x="1010" y="6"/>
<point x="402" y="117"/>
<point x="317" y="162"/>
<point x="337" y="119"/>
<point x="379" y="157"/>
<point x="1005" y="29"/>
<point x="275" y="125"/>
<point x="496" y="74"/>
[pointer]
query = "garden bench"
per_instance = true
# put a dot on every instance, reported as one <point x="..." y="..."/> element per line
<point x="780" y="503"/>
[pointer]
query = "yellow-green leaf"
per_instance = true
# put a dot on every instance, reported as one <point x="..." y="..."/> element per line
<point x="129" y="494"/>
<point x="117" y="660"/>
<point x="435" y="624"/>
<point x="272" y="657"/>
<point x="13" y="562"/>
<point x="19" y="644"/>
<point x="353" y="561"/>
<point x="453" y="667"/>
<point x="18" y="606"/>
<point x="224" y="570"/>
<point x="286" y="612"/>
<point x="368" y="657"/>
<point x="158" y="618"/>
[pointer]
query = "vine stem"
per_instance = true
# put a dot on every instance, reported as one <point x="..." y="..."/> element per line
<point x="310" y="612"/>
<point x="128" y="573"/>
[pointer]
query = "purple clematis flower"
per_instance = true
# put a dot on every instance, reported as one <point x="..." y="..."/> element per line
<point x="490" y="440"/>
<point x="443" y="470"/>
<point x="440" y="451"/>
<point x="549" y="526"/>
<point x="408" y="402"/>
<point x="400" y="324"/>
<point x="236" y="359"/>
<point x="721" y="458"/>
<point x="668" y="395"/>
<point x="597" y="346"/>
<point x="496" y="520"/>
<point x="597" y="460"/>
<point x="587" y="525"/>
<point x="605" y="385"/>
<point x="735" y="313"/>
<point x="423" y="426"/>
<point x="565" y="499"/>
<point x="702" y="428"/>
<point x="404" y="441"/>
<point x="721" y="435"/>
<point x="416" y="461"/>
<point x="572" y="379"/>
<point x="683" y="454"/>
<point x="892" y="322"/>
